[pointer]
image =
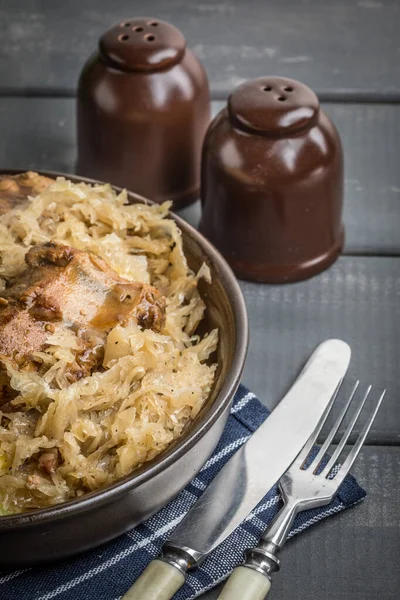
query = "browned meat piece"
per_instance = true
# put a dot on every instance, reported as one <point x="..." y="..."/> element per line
<point x="14" y="189"/>
<point x="48" y="461"/>
<point x="65" y="288"/>
<point x="148" y="311"/>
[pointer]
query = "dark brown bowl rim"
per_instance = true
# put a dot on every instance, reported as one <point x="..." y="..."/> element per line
<point x="221" y="402"/>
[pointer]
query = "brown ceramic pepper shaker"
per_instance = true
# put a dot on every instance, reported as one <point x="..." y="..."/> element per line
<point x="272" y="182"/>
<point x="143" y="109"/>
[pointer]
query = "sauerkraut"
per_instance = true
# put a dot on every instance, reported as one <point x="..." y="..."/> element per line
<point x="150" y="386"/>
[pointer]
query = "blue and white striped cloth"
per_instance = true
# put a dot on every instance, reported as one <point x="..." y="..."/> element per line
<point x="106" y="573"/>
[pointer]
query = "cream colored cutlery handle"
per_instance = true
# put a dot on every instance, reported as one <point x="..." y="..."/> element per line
<point x="245" y="584"/>
<point x="159" y="581"/>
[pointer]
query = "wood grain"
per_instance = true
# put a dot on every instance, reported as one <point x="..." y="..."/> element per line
<point x="353" y="555"/>
<point x="339" y="48"/>
<point x="40" y="133"/>
<point x="346" y="51"/>
<point x="356" y="300"/>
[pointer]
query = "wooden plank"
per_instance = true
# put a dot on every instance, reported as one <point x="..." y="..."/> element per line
<point x="353" y="555"/>
<point x="356" y="300"/>
<point x="339" y="48"/>
<point x="40" y="133"/>
<point x="371" y="144"/>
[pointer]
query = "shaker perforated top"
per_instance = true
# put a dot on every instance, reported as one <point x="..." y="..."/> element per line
<point x="142" y="44"/>
<point x="273" y="106"/>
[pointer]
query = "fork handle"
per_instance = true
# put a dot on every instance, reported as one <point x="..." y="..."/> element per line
<point x="159" y="581"/>
<point x="245" y="584"/>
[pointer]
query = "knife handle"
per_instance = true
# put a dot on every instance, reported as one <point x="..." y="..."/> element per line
<point x="159" y="581"/>
<point x="245" y="584"/>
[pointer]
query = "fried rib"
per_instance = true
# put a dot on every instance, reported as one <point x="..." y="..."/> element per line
<point x="62" y="289"/>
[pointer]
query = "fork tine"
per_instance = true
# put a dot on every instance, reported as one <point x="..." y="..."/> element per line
<point x="302" y="456"/>
<point x="348" y="463"/>
<point x="325" y="471"/>
<point x="333" y="431"/>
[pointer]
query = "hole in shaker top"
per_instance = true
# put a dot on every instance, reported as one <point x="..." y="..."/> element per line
<point x="126" y="24"/>
<point x="154" y="24"/>
<point x="263" y="106"/>
<point x="140" y="47"/>
<point x="288" y="89"/>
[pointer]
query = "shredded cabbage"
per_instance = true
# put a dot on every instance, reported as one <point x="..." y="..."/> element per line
<point x="151" y="385"/>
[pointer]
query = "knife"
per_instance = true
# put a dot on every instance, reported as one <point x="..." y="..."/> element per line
<point x="248" y="476"/>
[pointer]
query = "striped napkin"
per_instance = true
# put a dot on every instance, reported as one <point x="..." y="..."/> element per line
<point x="107" y="572"/>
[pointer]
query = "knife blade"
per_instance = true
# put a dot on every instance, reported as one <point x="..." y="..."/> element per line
<point x="248" y="475"/>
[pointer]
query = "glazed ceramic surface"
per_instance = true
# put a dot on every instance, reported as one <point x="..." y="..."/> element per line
<point x="143" y="109"/>
<point x="272" y="182"/>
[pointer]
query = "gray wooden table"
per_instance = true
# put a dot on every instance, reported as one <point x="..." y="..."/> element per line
<point x="349" y="52"/>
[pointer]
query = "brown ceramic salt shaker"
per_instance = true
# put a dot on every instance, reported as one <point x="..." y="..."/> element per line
<point x="272" y="182"/>
<point x="143" y="109"/>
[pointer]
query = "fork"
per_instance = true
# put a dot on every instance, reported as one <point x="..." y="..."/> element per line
<point x="310" y="481"/>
